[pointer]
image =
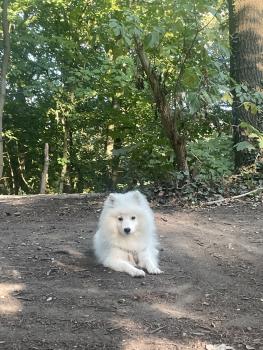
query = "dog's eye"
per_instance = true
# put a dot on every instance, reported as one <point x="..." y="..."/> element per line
<point x="120" y="218"/>
<point x="133" y="218"/>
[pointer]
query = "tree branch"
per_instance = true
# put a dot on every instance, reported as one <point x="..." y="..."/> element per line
<point x="188" y="52"/>
<point x="234" y="197"/>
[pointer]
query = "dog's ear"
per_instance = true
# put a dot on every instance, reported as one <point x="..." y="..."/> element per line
<point x="137" y="196"/>
<point x="110" y="201"/>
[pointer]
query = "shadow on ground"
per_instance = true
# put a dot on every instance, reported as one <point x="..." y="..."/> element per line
<point x="53" y="295"/>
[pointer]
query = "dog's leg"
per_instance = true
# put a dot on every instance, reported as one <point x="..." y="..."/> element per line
<point x="123" y="266"/>
<point x="149" y="261"/>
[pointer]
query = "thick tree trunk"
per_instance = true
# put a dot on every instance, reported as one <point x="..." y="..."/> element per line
<point x="168" y="117"/>
<point x="246" y="65"/>
<point x="4" y="67"/>
<point x="44" y="177"/>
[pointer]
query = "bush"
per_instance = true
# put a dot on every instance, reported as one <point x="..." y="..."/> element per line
<point x="212" y="157"/>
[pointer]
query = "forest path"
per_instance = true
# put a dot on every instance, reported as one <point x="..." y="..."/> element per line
<point x="53" y="295"/>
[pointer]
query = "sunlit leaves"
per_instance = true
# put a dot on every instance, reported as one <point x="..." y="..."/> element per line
<point x="244" y="145"/>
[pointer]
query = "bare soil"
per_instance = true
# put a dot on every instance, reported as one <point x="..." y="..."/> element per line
<point x="53" y="294"/>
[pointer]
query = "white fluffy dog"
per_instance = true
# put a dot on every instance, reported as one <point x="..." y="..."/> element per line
<point x="126" y="238"/>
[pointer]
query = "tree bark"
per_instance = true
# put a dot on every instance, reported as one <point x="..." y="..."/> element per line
<point x="168" y="117"/>
<point x="10" y="172"/>
<point x="44" y="177"/>
<point x="65" y="156"/>
<point x="246" y="65"/>
<point x="17" y="165"/>
<point x="4" y="68"/>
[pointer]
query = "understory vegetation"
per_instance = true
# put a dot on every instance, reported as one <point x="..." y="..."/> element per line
<point x="111" y="95"/>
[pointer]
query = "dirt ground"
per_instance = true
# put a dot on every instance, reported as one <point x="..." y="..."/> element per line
<point x="53" y="295"/>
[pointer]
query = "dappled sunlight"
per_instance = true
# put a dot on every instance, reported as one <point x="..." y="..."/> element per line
<point x="9" y="304"/>
<point x="151" y="342"/>
<point x="126" y="324"/>
<point x="175" y="311"/>
<point x="11" y="273"/>
<point x="68" y="267"/>
<point x="70" y="251"/>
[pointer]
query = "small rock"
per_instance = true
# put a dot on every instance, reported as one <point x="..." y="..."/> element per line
<point x="49" y="299"/>
<point x="121" y="301"/>
<point x="248" y="347"/>
<point x="17" y="213"/>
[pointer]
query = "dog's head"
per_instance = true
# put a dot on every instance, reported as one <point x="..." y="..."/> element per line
<point x="127" y="223"/>
<point x="124" y="212"/>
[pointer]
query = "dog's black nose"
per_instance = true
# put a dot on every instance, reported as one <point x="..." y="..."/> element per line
<point x="127" y="230"/>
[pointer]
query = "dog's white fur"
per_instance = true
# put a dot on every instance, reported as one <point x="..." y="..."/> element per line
<point x="126" y="238"/>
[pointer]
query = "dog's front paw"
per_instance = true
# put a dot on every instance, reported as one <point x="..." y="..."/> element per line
<point x="137" y="273"/>
<point x="154" y="270"/>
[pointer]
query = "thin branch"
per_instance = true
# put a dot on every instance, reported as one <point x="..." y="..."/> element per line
<point x="187" y="54"/>
<point x="235" y="197"/>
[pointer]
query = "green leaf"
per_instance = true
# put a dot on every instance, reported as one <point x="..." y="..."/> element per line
<point x="240" y="146"/>
<point x="252" y="132"/>
<point x="194" y="102"/>
<point x="152" y="40"/>
<point x="116" y="27"/>
<point x="227" y="97"/>
<point x="249" y="106"/>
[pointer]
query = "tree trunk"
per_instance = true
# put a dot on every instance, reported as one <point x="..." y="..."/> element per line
<point x="4" y="67"/>
<point x="44" y="177"/>
<point x="65" y="156"/>
<point x="17" y="165"/>
<point x="11" y="176"/>
<point x="115" y="174"/>
<point x="168" y="117"/>
<point x="246" y="65"/>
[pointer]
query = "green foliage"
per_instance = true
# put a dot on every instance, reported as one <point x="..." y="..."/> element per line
<point x="253" y="133"/>
<point x="251" y="99"/>
<point x="240" y="146"/>
<point x="74" y="71"/>
<point x="212" y="157"/>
